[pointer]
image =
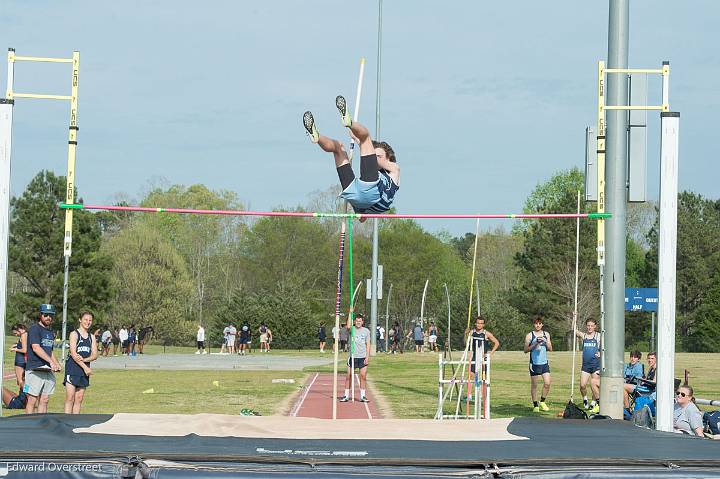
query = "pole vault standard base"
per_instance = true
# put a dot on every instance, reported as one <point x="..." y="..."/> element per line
<point x="481" y="402"/>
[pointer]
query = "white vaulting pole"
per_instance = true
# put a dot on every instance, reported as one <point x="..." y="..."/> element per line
<point x="6" y="112"/>
<point x="575" y="296"/>
<point x="356" y="112"/>
<point x="667" y="256"/>
<point x="422" y="304"/>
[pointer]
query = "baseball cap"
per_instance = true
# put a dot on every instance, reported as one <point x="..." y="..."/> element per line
<point x="47" y="309"/>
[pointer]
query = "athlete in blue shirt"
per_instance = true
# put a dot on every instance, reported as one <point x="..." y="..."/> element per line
<point x="41" y="362"/>
<point x="538" y="343"/>
<point x="379" y="180"/>
<point x="83" y="350"/>
<point x="590" y="370"/>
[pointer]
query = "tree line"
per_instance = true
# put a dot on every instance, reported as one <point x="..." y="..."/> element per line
<point x="173" y="272"/>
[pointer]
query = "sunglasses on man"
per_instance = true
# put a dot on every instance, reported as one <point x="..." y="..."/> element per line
<point x="682" y="394"/>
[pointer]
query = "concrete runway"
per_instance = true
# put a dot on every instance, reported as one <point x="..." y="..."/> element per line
<point x="251" y="362"/>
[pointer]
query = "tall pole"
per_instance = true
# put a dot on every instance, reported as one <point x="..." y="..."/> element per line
<point x="667" y="257"/>
<point x="373" y="280"/>
<point x="338" y="302"/>
<point x="387" y="319"/>
<point x="374" y="292"/>
<point x="6" y="114"/>
<point x="611" y="386"/>
<point x="447" y="295"/>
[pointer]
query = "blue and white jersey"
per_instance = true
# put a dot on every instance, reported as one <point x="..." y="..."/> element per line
<point x="371" y="196"/>
<point x="538" y="351"/>
<point x="84" y="349"/>
<point x="591" y="345"/>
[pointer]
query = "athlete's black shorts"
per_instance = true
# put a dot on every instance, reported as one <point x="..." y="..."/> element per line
<point x="77" y="381"/>
<point x="539" y="369"/>
<point x="18" y="402"/>
<point x="419" y="342"/>
<point x="590" y="368"/>
<point x="359" y="363"/>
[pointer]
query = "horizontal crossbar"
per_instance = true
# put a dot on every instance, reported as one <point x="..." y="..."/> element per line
<point x="143" y="209"/>
<point x="41" y="59"/>
<point x="41" y="97"/>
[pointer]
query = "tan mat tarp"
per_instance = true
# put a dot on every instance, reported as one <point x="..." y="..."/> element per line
<point x="277" y="427"/>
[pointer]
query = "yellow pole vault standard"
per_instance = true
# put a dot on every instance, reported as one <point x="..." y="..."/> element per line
<point x="602" y="108"/>
<point x="70" y="188"/>
<point x="72" y="154"/>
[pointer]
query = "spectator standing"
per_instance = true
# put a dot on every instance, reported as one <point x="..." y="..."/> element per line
<point x="83" y="350"/>
<point x="144" y="336"/>
<point x="123" y="335"/>
<point x="132" y="340"/>
<point x="432" y="335"/>
<point x="244" y="338"/>
<point x="359" y="359"/>
<point x="232" y="336"/>
<point x="106" y="339"/>
<point x="20" y="350"/>
<point x="41" y="362"/>
<point x="321" y="336"/>
<point x="397" y="337"/>
<point x="226" y="338"/>
<point x="200" y="338"/>
<point x="344" y="335"/>
<point x="380" y="338"/>
<point x="115" y="340"/>
<point x="590" y="369"/>
<point x="538" y="343"/>
<point x="418" y="337"/>
<point x="264" y="336"/>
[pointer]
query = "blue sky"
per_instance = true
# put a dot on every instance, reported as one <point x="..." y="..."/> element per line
<point x="481" y="101"/>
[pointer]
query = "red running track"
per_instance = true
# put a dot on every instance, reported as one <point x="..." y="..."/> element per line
<point x="316" y="400"/>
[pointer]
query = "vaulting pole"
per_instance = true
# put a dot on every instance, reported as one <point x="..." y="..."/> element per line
<point x="338" y="299"/>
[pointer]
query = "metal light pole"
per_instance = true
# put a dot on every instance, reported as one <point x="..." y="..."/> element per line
<point x="374" y="292"/>
<point x="611" y="386"/>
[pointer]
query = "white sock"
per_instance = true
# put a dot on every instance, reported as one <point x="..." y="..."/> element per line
<point x="592" y="403"/>
<point x="362" y="393"/>
<point x="347" y="393"/>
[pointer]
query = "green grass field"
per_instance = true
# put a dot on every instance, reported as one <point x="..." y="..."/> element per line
<point x="408" y="383"/>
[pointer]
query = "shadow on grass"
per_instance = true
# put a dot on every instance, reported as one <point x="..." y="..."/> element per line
<point x="388" y="388"/>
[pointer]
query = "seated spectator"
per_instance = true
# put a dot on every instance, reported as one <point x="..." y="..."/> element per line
<point x="13" y="401"/>
<point x="644" y="384"/>
<point x="687" y="418"/>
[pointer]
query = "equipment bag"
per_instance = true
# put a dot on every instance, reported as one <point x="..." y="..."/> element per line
<point x="711" y="420"/>
<point x="641" y="401"/>
<point x="573" y="412"/>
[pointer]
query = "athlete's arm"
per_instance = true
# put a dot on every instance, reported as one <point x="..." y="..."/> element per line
<point x="548" y="343"/>
<point x="580" y="334"/>
<point x="491" y="337"/>
<point x="392" y="168"/>
<point x="23" y="343"/>
<point x="93" y="351"/>
<point x="527" y="347"/>
<point x="367" y="348"/>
